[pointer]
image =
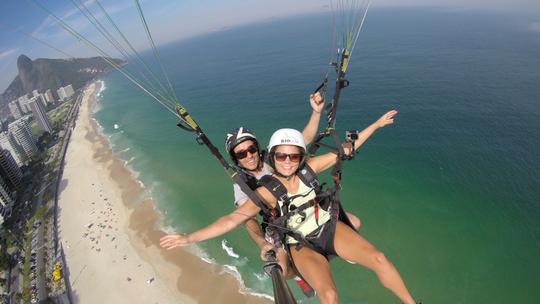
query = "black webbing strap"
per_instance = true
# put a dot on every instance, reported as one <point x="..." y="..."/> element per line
<point x="322" y="87"/>
<point x="330" y="131"/>
<point x="189" y="124"/>
<point x="279" y="217"/>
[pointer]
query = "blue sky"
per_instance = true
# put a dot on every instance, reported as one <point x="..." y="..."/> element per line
<point x="168" y="20"/>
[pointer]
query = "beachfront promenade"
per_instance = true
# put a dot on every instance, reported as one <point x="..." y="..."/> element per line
<point x="102" y="231"/>
<point x="33" y="281"/>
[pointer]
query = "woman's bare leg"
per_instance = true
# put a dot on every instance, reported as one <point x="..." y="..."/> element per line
<point x="315" y="269"/>
<point x="355" y="221"/>
<point x="283" y="261"/>
<point x="350" y="246"/>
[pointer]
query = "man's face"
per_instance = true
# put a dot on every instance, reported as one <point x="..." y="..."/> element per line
<point x="247" y="155"/>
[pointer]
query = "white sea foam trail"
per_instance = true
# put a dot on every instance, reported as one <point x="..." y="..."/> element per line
<point x="124" y="150"/>
<point x="129" y="161"/>
<point x="225" y="245"/>
<point x="102" y="88"/>
<point x="243" y="289"/>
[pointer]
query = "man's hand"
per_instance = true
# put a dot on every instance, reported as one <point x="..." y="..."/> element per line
<point x="264" y="249"/>
<point x="317" y="102"/>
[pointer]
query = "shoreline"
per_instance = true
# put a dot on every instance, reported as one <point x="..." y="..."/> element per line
<point x="179" y="275"/>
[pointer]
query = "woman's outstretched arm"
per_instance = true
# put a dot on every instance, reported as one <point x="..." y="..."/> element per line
<point x="325" y="161"/>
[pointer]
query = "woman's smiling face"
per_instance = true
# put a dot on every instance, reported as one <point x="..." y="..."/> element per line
<point x="287" y="159"/>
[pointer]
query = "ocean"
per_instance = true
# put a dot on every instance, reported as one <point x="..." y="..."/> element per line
<point x="450" y="192"/>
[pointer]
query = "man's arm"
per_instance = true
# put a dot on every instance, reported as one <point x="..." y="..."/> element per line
<point x="219" y="227"/>
<point x="255" y="232"/>
<point x="252" y="225"/>
<point x="310" y="130"/>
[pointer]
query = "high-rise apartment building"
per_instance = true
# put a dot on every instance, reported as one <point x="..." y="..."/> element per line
<point x="69" y="90"/>
<point x="6" y="201"/>
<point x="20" y="131"/>
<point x="23" y="104"/>
<point x="61" y="93"/>
<point x="15" y="109"/>
<point x="8" y="143"/>
<point x="65" y="92"/>
<point x="40" y="114"/>
<point x="49" y="96"/>
<point x="41" y="99"/>
<point x="9" y="170"/>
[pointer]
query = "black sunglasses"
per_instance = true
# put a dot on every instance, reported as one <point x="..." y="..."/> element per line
<point x="244" y="153"/>
<point x="294" y="157"/>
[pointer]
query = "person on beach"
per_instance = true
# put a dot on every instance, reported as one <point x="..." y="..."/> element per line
<point x="315" y="233"/>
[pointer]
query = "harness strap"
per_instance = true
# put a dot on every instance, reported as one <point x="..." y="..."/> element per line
<point x="278" y="220"/>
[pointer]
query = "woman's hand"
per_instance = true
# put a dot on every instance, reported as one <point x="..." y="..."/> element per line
<point x="347" y="148"/>
<point x="386" y="119"/>
<point x="171" y="241"/>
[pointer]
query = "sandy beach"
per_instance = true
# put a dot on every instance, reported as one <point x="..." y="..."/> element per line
<point x="110" y="233"/>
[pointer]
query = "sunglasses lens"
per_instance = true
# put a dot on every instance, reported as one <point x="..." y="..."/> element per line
<point x="296" y="157"/>
<point x="280" y="156"/>
<point x="244" y="153"/>
<point x="241" y="154"/>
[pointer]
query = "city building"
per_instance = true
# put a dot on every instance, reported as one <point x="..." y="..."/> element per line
<point x="61" y="94"/>
<point x="8" y="143"/>
<point x="15" y="109"/>
<point x="65" y="92"/>
<point x="40" y="115"/>
<point x="6" y="201"/>
<point x="35" y="93"/>
<point x="10" y="171"/>
<point x="20" y="131"/>
<point x="41" y="99"/>
<point x="49" y="96"/>
<point x="23" y="104"/>
<point x="69" y="90"/>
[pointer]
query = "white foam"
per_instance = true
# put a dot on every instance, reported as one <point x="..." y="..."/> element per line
<point x="198" y="251"/>
<point x="232" y="270"/>
<point x="116" y="126"/>
<point x="261" y="276"/>
<point x="225" y="245"/>
<point x="243" y="289"/>
<point x="102" y="88"/>
<point x="124" y="150"/>
<point x="127" y="162"/>
<point x="141" y="183"/>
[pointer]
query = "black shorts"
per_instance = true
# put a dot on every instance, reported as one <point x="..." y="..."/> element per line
<point x="320" y="240"/>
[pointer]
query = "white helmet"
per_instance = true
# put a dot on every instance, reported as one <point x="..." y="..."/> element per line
<point x="287" y="137"/>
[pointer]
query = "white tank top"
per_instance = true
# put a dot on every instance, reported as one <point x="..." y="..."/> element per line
<point x="298" y="223"/>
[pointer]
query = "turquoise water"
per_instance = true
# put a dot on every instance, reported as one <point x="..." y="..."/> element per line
<point x="449" y="192"/>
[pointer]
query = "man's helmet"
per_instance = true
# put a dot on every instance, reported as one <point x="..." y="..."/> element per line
<point x="236" y="137"/>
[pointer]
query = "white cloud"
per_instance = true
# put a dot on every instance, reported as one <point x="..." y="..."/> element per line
<point x="6" y="53"/>
<point x="75" y="19"/>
